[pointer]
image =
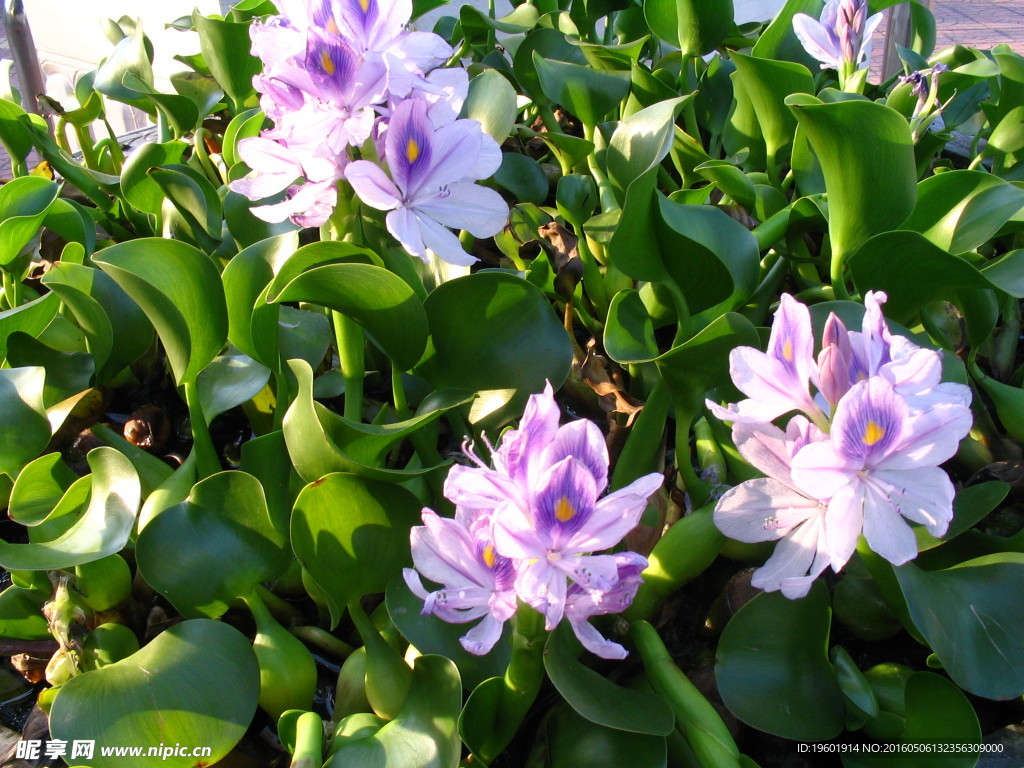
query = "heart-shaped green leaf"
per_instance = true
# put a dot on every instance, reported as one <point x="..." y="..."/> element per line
<point x="31" y="318"/>
<point x="195" y="684"/>
<point x="226" y="47"/>
<point x="773" y="670"/>
<point x="23" y="206"/>
<point x="492" y="102"/>
<point x="137" y="186"/>
<point x="214" y="547"/>
<point x="24" y="428"/>
<point x="351" y="535"/>
<point x="642" y="141"/>
<point x="179" y="289"/>
<point x="588" y="93"/>
<point x="575" y="741"/>
<point x="229" y="381"/>
<point x="696" y="27"/>
<point x="970" y="618"/>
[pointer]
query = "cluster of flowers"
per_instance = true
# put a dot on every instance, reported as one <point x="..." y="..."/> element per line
<point x="861" y="455"/>
<point x="526" y="530"/>
<point x="842" y="34"/>
<point x="347" y="77"/>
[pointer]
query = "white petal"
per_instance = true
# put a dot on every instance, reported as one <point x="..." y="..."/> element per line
<point x="762" y="510"/>
<point x="595" y="642"/>
<point x="923" y="495"/>
<point x="816" y="40"/>
<point x="373" y="186"/>
<point x="443" y="242"/>
<point x="479" y="210"/>
<point x="405" y="228"/>
<point x="792" y="558"/>
<point x="844" y="522"/>
<point x="887" y="533"/>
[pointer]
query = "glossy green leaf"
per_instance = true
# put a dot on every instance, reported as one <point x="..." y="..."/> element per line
<point x="767" y="83"/>
<point x="923" y="273"/>
<point x="23" y="206"/>
<point x="38" y="488"/>
<point x="244" y="125"/>
<point x="193" y="196"/>
<point x="321" y="441"/>
<point x="551" y="45"/>
<point x="137" y="186"/>
<point x="1007" y="273"/>
<point x="116" y="329"/>
<point x="641" y="142"/>
<point x="21" y="615"/>
<point x="72" y="222"/>
<point x="229" y="381"/>
<point x="378" y="300"/>
<point x="574" y="742"/>
<point x="213" y="547"/>
<point x="597" y="698"/>
<point x="226" y="46"/>
<point x="24" y="428"/>
<point x="429" y="634"/>
<point x="132" y="58"/>
<point x="179" y="289"/>
<point x="53" y="523"/>
<point x="523" y="177"/>
<point x="31" y="318"/>
<point x="773" y="670"/>
<point x="194" y="684"/>
<point x="351" y="535"/>
<point x="492" y="102"/>
<point x="970" y="617"/>
<point x="696" y="27"/>
<point x="68" y="374"/>
<point x="425" y="732"/>
<point x="867" y="158"/>
<point x="588" y="93"/>
<point x="101" y="530"/>
<point x="629" y="330"/>
<point x="14" y="131"/>
<point x="935" y="712"/>
<point x="1008" y="136"/>
<point x="961" y="210"/>
<point x="493" y="330"/>
<point x="856" y="689"/>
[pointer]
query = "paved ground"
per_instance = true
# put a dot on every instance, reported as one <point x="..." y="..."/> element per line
<point x="977" y="23"/>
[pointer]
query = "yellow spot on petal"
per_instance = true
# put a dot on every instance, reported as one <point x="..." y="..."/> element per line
<point x="332" y="26"/>
<point x="327" y="63"/>
<point x="412" y="150"/>
<point x="787" y="350"/>
<point x="873" y="433"/>
<point x="365" y="5"/>
<point x="489" y="556"/>
<point x="564" y="510"/>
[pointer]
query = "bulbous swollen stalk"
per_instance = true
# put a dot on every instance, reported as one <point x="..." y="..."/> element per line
<point x="287" y="669"/>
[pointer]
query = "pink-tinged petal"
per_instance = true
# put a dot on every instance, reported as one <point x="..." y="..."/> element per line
<point x="275" y="44"/>
<point x="930" y="438"/>
<point x="912" y="370"/>
<point x="482" y="638"/>
<point x="747" y="411"/>
<point x="594" y="572"/>
<point x="869" y="29"/>
<point x="583" y="441"/>
<point x="595" y="642"/>
<point x="765" y="447"/>
<point x="443" y="551"/>
<point x="869" y="422"/>
<point x="792" y="341"/>
<point x="412" y="580"/>
<point x="275" y="168"/>
<point x="923" y="495"/>
<point x="844" y="522"/>
<point x="795" y="587"/>
<point x="817" y="40"/>
<point x="310" y="203"/>
<point x="887" y="533"/>
<point x="319" y="209"/>
<point x="443" y="242"/>
<point x="422" y="50"/>
<point x="616" y="515"/>
<point x="405" y="228"/>
<point x="479" y="488"/>
<point x="372" y="185"/>
<point x="543" y="587"/>
<point x="516" y="538"/>
<point x="464" y="205"/>
<point x="792" y="559"/>
<point x="769" y="382"/>
<point x="819" y="471"/>
<point x="763" y="510"/>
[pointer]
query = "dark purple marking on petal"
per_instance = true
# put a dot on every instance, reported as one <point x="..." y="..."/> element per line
<point x="869" y="421"/>
<point x="564" y="502"/>
<point x="332" y="63"/>
<point x="409" y="142"/>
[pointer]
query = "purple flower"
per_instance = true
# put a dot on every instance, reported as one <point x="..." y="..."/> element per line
<point x="431" y="185"/>
<point x="880" y="465"/>
<point x="774" y="508"/>
<point x="477" y="582"/>
<point x="775" y="382"/>
<point x="841" y="35"/>
<point x="540" y="508"/>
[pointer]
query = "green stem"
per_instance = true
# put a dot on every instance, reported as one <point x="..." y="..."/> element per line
<point x="522" y="681"/>
<point x="593" y="280"/>
<point x="199" y="147"/>
<point x="323" y="640"/>
<point x="388" y="677"/>
<point x="604" y="187"/>
<point x="207" y="461"/>
<point x="836" y="274"/>
<point x="351" y="362"/>
<point x="696" y="719"/>
<point x="86" y="143"/>
<point x="283" y="611"/>
<point x="282" y="396"/>
<point x="309" y="741"/>
<point x="547" y="115"/>
<point x="688" y="70"/>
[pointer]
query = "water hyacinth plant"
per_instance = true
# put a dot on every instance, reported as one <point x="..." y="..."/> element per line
<point x="608" y="384"/>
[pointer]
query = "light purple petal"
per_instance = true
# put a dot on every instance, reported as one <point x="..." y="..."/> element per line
<point x="929" y="438"/>
<point x="763" y="510"/>
<point x="583" y="440"/>
<point x="479" y="488"/>
<point x="616" y="515"/>
<point x="372" y="185"/>
<point x="543" y="587"/>
<point x="792" y="559"/>
<point x="844" y="522"/>
<point x="455" y="153"/>
<point x="275" y="168"/>
<point x="463" y="205"/>
<point x="405" y="228"/>
<point x="443" y="242"/>
<point x="886" y="531"/>
<point x="443" y="552"/>
<point x="592" y="572"/>
<point x="765" y="447"/>
<point x="817" y="40"/>
<point x="481" y="639"/>
<point x="792" y="341"/>
<point x="769" y="382"/>
<point x="923" y="495"/>
<point x="410" y="147"/>
<point x="819" y="471"/>
<point x="312" y="203"/>
<point x="869" y="422"/>
<point x="489" y="160"/>
<point x="595" y="642"/>
<point x="564" y="500"/>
